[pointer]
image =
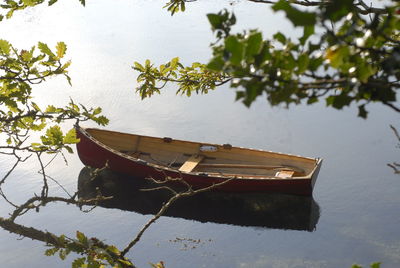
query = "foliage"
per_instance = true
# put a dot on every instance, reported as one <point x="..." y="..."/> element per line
<point x="373" y="265"/>
<point x="195" y="78"/>
<point x="15" y="5"/>
<point x="348" y="53"/>
<point x="174" y="6"/>
<point x="97" y="254"/>
<point x="20" y="115"/>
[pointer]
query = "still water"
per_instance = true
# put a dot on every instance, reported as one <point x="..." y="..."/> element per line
<point x="355" y="203"/>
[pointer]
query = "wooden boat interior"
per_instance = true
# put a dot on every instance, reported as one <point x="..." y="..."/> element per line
<point x="223" y="160"/>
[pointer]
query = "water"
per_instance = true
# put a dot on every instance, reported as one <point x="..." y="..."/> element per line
<point x="357" y="194"/>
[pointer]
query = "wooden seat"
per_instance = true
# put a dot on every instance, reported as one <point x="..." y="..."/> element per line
<point x="284" y="174"/>
<point x="191" y="163"/>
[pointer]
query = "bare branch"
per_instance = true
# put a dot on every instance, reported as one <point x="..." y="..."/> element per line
<point x="394" y="167"/>
<point x="361" y="7"/>
<point x="391" y="105"/>
<point x="395" y="132"/>
<point x="30" y="204"/>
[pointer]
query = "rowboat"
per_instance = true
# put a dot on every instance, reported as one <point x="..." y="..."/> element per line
<point x="198" y="164"/>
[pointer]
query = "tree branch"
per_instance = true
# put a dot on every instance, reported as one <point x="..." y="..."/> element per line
<point x="164" y="208"/>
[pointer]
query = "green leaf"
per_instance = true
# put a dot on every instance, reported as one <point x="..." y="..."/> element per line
<point x="376" y="265"/>
<point x="69" y="149"/>
<point x="97" y="111"/>
<point x="302" y="62"/>
<point x="363" y="114"/>
<point x="5" y="47"/>
<point x="253" y="44"/>
<point x="70" y="137"/>
<point x="312" y="99"/>
<point x="62" y="254"/>
<point x="50" y="109"/>
<point x="337" y="55"/>
<point x="55" y="133"/>
<point x="45" y="49"/>
<point x="78" y="263"/>
<point x="138" y="67"/>
<point x="296" y="16"/>
<point x="26" y="55"/>
<point x="307" y="32"/>
<point x="114" y="250"/>
<point x="127" y="263"/>
<point x="215" y="20"/>
<point x="339" y="101"/>
<point x="101" y="120"/>
<point x="235" y="47"/>
<point x="216" y="64"/>
<point x="81" y="237"/>
<point x="222" y="22"/>
<point x="35" y="106"/>
<point x="280" y="37"/>
<point x="10" y="13"/>
<point x="29" y="2"/>
<point x="51" y="251"/>
<point x="174" y="63"/>
<point x="337" y="9"/>
<point x="364" y="72"/>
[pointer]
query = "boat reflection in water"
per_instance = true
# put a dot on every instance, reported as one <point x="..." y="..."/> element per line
<point x="276" y="211"/>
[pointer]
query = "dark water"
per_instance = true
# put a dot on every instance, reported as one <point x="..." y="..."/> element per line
<point x="353" y="216"/>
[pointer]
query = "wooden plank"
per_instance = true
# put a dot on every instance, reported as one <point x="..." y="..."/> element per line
<point x="191" y="163"/>
<point x="265" y="176"/>
<point x="249" y="166"/>
<point x="284" y="174"/>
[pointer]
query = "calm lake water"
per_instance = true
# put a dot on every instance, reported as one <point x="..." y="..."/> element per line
<point x="356" y="198"/>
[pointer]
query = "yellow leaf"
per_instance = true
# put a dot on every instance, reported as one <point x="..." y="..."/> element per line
<point x="61" y="48"/>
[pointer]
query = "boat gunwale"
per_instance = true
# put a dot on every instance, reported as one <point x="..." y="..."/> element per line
<point x="317" y="161"/>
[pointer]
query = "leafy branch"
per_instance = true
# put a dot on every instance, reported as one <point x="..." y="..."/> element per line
<point x="352" y="60"/>
<point x="195" y="78"/>
<point x="16" y="5"/>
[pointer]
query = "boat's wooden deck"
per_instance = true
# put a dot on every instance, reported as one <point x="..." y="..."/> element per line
<point x="188" y="156"/>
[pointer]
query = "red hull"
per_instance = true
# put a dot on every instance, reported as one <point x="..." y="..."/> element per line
<point x="95" y="154"/>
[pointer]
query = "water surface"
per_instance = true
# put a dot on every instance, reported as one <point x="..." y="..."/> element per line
<point x="357" y="194"/>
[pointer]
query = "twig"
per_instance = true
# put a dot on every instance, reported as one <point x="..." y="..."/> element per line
<point x="395" y="132"/>
<point x="30" y="204"/>
<point x="162" y="210"/>
<point x="395" y="169"/>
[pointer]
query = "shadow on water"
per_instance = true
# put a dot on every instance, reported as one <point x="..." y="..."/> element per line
<point x="276" y="211"/>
